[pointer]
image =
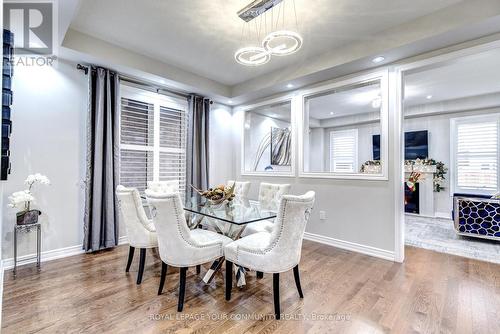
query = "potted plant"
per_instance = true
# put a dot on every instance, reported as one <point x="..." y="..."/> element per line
<point x="23" y="199"/>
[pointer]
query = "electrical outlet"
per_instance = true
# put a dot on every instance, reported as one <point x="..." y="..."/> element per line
<point x="322" y="215"/>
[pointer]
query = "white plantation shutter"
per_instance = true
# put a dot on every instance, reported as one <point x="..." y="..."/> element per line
<point x="153" y="131"/>
<point x="344" y="151"/>
<point x="136" y="139"/>
<point x="173" y="130"/>
<point x="476" y="155"/>
<point x="136" y="122"/>
<point x="136" y="168"/>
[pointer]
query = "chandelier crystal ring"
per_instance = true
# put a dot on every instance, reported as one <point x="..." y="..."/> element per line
<point x="275" y="32"/>
<point x="252" y="56"/>
<point x="282" y="42"/>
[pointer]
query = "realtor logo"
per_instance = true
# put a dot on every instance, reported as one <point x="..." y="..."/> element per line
<point x="32" y="24"/>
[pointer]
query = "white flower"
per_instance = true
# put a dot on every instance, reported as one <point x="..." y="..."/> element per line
<point x="20" y="197"/>
<point x="37" y="178"/>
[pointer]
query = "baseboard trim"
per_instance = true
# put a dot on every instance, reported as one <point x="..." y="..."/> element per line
<point x="443" y="215"/>
<point x="51" y="255"/>
<point x="351" y="246"/>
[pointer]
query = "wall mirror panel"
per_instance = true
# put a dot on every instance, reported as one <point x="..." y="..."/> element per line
<point x="268" y="140"/>
<point x="344" y="131"/>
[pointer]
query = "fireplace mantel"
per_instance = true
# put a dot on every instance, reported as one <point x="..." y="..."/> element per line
<point x="426" y="187"/>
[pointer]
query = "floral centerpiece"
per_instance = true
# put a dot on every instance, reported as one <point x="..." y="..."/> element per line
<point x="218" y="194"/>
<point x="24" y="198"/>
<point x="370" y="165"/>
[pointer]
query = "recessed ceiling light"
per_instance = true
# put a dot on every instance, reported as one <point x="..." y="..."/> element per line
<point x="230" y="101"/>
<point x="289" y="85"/>
<point x="331" y="112"/>
<point x="428" y="97"/>
<point x="378" y="59"/>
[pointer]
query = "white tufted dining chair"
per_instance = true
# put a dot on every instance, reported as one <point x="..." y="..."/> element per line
<point x="241" y="189"/>
<point x="164" y="186"/>
<point x="178" y="245"/>
<point x="274" y="252"/>
<point x="269" y="198"/>
<point x="141" y="232"/>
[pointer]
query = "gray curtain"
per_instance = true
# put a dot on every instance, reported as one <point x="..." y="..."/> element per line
<point x="101" y="212"/>
<point x="197" y="144"/>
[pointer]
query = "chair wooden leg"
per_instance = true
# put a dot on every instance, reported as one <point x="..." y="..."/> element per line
<point x="276" y="294"/>
<point x="142" y="262"/>
<point x="260" y="274"/>
<point x="162" y="277"/>
<point x="182" y="288"/>
<point x="229" y="279"/>
<point x="130" y="258"/>
<point x="198" y="269"/>
<point x="297" y="280"/>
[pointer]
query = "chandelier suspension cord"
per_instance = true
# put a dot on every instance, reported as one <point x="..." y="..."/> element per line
<point x="284" y="7"/>
<point x="295" y="12"/>
<point x="279" y="12"/>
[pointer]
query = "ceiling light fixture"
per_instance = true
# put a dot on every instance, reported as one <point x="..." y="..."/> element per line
<point x="378" y="59"/>
<point x="289" y="85"/>
<point x="331" y="112"/>
<point x="252" y="56"/>
<point x="230" y="102"/>
<point x="280" y="42"/>
<point x="256" y="8"/>
<point x="428" y="97"/>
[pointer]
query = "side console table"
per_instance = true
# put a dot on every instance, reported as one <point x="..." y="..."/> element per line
<point x="28" y="228"/>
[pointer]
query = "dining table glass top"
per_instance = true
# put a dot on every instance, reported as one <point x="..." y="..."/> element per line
<point x="239" y="211"/>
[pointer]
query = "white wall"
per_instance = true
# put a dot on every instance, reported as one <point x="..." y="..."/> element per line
<point x="48" y="137"/>
<point x="360" y="214"/>
<point x="221" y="156"/>
<point x="49" y="131"/>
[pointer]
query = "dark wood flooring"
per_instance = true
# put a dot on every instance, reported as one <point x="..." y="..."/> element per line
<point x="344" y="292"/>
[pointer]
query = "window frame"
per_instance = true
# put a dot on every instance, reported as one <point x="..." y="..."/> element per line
<point x="158" y="100"/>
<point x="383" y="77"/>
<point x="356" y="147"/>
<point x="454" y="122"/>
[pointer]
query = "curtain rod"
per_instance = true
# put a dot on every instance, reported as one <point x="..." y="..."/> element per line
<point x="136" y="81"/>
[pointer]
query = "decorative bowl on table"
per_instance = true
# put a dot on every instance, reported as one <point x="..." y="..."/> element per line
<point x="217" y="195"/>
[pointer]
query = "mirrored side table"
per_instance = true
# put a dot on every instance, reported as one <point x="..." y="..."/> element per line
<point x="27" y="228"/>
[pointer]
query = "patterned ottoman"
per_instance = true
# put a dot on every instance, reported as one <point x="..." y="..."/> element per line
<point x="477" y="216"/>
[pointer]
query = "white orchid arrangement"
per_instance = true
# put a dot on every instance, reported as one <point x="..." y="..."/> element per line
<point x="23" y="199"/>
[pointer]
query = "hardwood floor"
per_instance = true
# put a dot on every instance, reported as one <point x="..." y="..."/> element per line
<point x="344" y="292"/>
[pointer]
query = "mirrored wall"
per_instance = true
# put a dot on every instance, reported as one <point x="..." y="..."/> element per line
<point x="342" y="130"/>
<point x="267" y="142"/>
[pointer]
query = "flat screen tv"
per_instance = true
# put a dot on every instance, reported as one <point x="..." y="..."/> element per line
<point x="376" y="147"/>
<point x="416" y="145"/>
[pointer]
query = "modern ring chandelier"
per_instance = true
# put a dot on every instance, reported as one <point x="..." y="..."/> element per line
<point x="267" y="18"/>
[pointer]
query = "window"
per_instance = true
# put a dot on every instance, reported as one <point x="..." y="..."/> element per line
<point x="344" y="151"/>
<point x="476" y="154"/>
<point x="153" y="130"/>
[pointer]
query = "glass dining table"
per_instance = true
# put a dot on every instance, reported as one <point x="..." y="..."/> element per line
<point x="229" y="218"/>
